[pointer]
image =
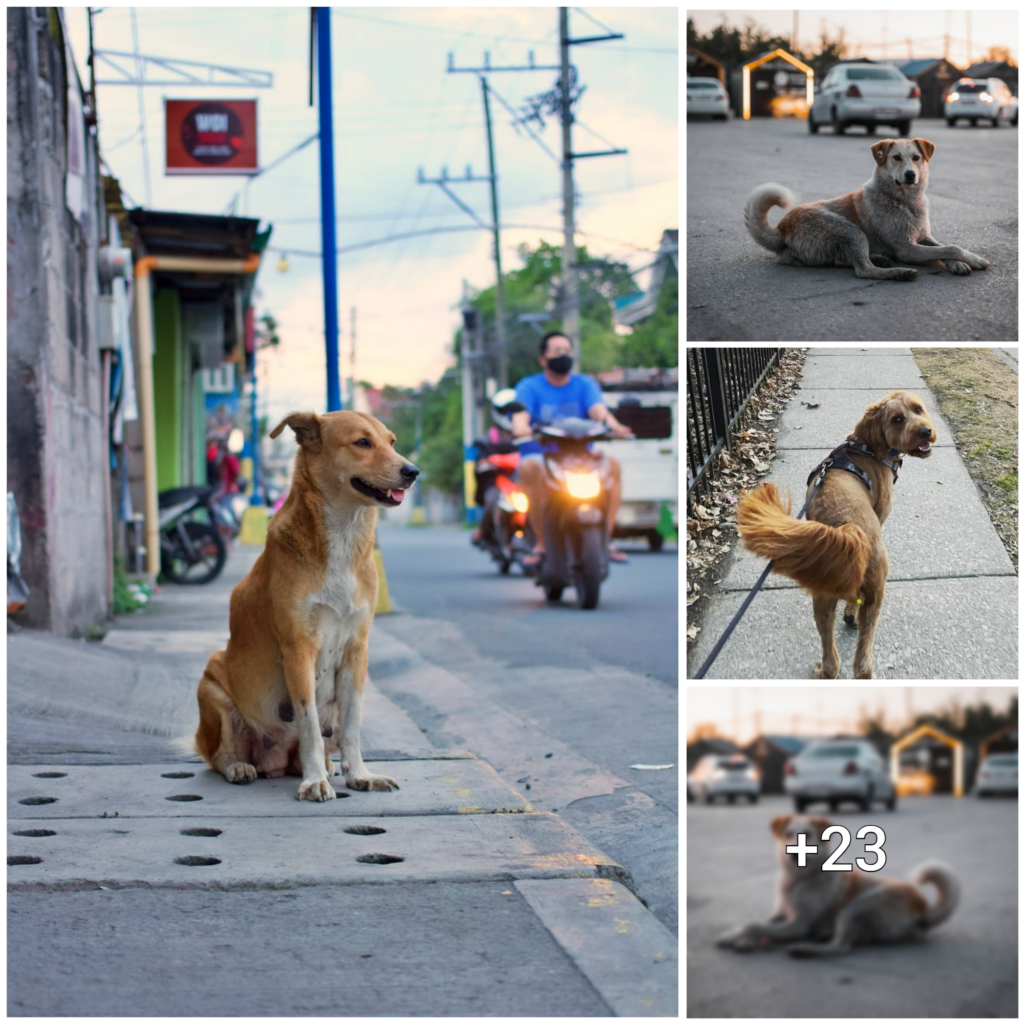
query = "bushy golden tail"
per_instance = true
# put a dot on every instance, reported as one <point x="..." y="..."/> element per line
<point x="942" y="877"/>
<point x="829" y="561"/>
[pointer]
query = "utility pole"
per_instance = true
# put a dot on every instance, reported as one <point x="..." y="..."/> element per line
<point x="328" y="243"/>
<point x="352" y="359"/>
<point x="499" y="296"/>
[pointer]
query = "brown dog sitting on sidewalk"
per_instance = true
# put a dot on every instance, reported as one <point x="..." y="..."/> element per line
<point x="295" y="665"/>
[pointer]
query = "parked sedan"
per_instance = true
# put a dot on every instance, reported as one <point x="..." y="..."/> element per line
<point x="837" y="771"/>
<point x="997" y="774"/>
<point x="986" y="99"/>
<point x="707" y="96"/>
<point x="726" y="775"/>
<point x="865" y="94"/>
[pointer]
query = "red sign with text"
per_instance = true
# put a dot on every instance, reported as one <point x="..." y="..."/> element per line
<point x="211" y="137"/>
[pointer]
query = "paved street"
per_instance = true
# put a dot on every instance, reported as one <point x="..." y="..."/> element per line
<point x="736" y="292"/>
<point x="456" y="895"/>
<point x="558" y="700"/>
<point x="966" y="968"/>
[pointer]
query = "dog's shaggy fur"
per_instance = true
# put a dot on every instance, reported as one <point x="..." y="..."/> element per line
<point x="838" y="553"/>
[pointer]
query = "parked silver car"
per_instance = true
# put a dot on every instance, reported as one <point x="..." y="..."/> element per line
<point x="837" y="771"/>
<point x="707" y="96"/>
<point x="996" y="774"/>
<point x="725" y="775"/>
<point x="985" y="99"/>
<point x="865" y="94"/>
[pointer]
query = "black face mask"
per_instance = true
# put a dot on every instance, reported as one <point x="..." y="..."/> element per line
<point x="560" y="364"/>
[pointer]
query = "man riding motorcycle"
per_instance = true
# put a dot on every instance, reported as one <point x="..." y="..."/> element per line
<point x="555" y="394"/>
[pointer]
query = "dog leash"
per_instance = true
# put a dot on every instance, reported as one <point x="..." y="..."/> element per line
<point x="716" y="650"/>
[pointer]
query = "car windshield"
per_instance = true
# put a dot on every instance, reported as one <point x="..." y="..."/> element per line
<point x="734" y="762"/>
<point x="833" y="751"/>
<point x="713" y="86"/>
<point x="873" y="75"/>
<point x="1003" y="760"/>
<point x="971" y="87"/>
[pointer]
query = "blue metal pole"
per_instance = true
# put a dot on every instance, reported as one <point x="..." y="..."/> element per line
<point x="256" y="498"/>
<point x="327" y="217"/>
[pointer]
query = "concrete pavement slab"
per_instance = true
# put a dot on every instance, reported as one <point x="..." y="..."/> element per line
<point x="963" y="628"/>
<point x="189" y="790"/>
<point x="613" y="940"/>
<point x="399" y="950"/>
<point x="232" y="852"/>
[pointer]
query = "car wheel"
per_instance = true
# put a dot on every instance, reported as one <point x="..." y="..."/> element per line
<point x="709" y="799"/>
<point x="870" y="129"/>
<point x="752" y="798"/>
<point x="974" y="122"/>
<point x="995" y="121"/>
<point x="1014" y="121"/>
<point x="837" y="126"/>
<point x="799" y="804"/>
<point x="951" y="121"/>
<point x="723" y="117"/>
<point x="731" y="798"/>
<point x="811" y="126"/>
<point x="865" y="801"/>
<point x="833" y="805"/>
<point x="903" y="128"/>
<point x="890" y="804"/>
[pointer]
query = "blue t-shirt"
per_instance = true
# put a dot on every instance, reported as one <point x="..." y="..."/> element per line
<point x="547" y="404"/>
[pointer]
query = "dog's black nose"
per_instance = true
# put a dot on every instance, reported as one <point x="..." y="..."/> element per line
<point x="909" y="178"/>
<point x="925" y="432"/>
<point x="410" y="473"/>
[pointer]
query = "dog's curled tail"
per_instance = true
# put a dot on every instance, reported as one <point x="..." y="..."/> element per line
<point x="755" y="214"/>
<point x="184" y="746"/>
<point x="829" y="561"/>
<point x="942" y="877"/>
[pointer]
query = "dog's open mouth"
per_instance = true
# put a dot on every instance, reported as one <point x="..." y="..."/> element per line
<point x="924" y="448"/>
<point x="391" y="497"/>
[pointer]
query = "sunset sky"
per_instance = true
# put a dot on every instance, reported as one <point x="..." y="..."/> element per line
<point x="880" y="33"/>
<point x="743" y="712"/>
<point x="396" y="110"/>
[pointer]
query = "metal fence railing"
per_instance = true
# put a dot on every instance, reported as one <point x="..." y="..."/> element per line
<point x="719" y="385"/>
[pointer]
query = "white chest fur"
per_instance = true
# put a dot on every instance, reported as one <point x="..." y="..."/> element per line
<point x="337" y="609"/>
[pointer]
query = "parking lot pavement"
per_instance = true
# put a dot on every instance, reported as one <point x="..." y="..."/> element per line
<point x="966" y="968"/>
<point x="736" y="291"/>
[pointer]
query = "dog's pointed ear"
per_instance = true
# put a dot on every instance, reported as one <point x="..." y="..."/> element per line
<point x="926" y="147"/>
<point x="880" y="150"/>
<point x="306" y="426"/>
<point x="778" y="825"/>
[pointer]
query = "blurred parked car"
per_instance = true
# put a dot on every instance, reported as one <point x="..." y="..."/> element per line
<point x="996" y="774"/>
<point x="836" y="771"/>
<point x="728" y="775"/>
<point x="865" y="94"/>
<point x="989" y="99"/>
<point x="707" y="96"/>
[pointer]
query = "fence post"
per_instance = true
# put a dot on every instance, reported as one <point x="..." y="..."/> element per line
<point x="716" y="394"/>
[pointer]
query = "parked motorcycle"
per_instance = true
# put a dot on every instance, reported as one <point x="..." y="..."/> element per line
<point x="576" y="512"/>
<point x="192" y="549"/>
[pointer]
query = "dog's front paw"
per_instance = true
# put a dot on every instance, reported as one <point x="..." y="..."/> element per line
<point x="365" y="781"/>
<point x="956" y="267"/>
<point x="976" y="262"/>
<point x="802" y="949"/>
<point x="240" y="773"/>
<point x="879" y="260"/>
<point x="315" y="789"/>
<point x="903" y="274"/>
<point x="823" y="671"/>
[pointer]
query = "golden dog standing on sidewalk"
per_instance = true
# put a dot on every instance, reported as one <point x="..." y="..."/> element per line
<point x="295" y="665"/>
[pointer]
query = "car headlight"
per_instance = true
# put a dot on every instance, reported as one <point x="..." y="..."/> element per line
<point x="583" y="485"/>
<point x="953" y="97"/>
<point x="986" y="98"/>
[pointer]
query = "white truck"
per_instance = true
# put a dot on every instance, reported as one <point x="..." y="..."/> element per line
<point x="648" y="404"/>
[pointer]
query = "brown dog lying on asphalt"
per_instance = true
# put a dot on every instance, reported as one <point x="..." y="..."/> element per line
<point x="885" y="220"/>
<point x="846" y="908"/>
<point x="295" y="665"/>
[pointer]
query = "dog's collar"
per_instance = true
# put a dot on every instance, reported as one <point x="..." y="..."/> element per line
<point x="840" y="459"/>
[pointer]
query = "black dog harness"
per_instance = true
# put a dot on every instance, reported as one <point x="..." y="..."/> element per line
<point x="840" y="459"/>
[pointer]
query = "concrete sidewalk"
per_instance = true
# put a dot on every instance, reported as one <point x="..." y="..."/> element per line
<point x="160" y="889"/>
<point x="950" y="607"/>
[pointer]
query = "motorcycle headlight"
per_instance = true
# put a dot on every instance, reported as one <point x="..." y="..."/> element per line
<point x="583" y="485"/>
<point x="519" y="501"/>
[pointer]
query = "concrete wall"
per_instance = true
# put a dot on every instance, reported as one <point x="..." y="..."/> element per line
<point x="56" y="449"/>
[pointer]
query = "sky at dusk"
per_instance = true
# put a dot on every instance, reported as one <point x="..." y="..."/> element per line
<point x="879" y="33"/>
<point x="741" y="713"/>
<point x="396" y="110"/>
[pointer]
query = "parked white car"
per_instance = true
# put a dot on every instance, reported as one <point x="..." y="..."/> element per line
<point x="725" y="775"/>
<point x="986" y="99"/>
<point x="865" y="94"/>
<point x="996" y="774"/>
<point x="707" y="96"/>
<point x="837" y="771"/>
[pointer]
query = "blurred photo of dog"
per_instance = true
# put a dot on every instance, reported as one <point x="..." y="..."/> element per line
<point x="837" y="910"/>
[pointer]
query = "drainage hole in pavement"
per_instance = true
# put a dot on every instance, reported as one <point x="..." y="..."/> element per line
<point x="195" y="862"/>
<point x="49" y="775"/>
<point x="35" y="833"/>
<point x="184" y="797"/>
<point x="24" y="860"/>
<point x="201" y="832"/>
<point x="34" y="801"/>
<point x="379" y="858"/>
<point x="364" y="830"/>
<point x="177" y="775"/>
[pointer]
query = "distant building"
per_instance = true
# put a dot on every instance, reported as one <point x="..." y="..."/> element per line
<point x="994" y="69"/>
<point x="701" y="748"/>
<point x="632" y="309"/>
<point x="934" y="76"/>
<point x="775" y="84"/>
<point x="702" y="65"/>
